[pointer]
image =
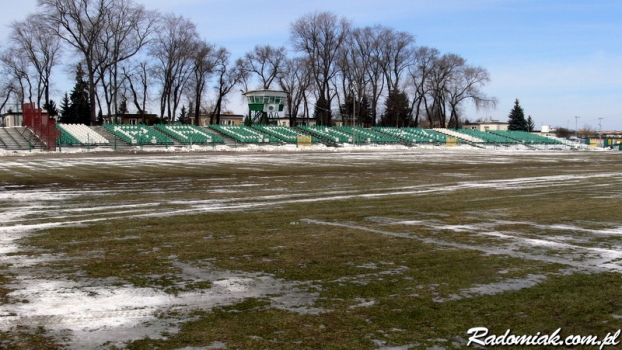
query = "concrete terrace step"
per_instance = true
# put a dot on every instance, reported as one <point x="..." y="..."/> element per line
<point x="121" y="145"/>
<point x="17" y="138"/>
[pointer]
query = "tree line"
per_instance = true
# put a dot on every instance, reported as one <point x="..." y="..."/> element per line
<point x="131" y="57"/>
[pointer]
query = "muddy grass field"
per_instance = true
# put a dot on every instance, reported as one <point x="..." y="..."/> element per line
<point x="374" y="250"/>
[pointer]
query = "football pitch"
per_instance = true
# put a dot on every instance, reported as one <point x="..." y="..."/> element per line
<point x="358" y="250"/>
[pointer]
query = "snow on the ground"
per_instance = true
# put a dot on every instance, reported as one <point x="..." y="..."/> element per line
<point x="85" y="313"/>
<point x="90" y="312"/>
<point x="289" y="148"/>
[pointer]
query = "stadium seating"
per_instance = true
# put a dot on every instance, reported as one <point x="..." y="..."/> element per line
<point x="398" y="133"/>
<point x="244" y="134"/>
<point x="525" y="137"/>
<point x="487" y="137"/>
<point x="188" y="133"/>
<point x="138" y="134"/>
<point x="327" y="133"/>
<point x="366" y="135"/>
<point x="412" y="135"/>
<point x="284" y="133"/>
<point x="459" y="135"/>
<point x="79" y="134"/>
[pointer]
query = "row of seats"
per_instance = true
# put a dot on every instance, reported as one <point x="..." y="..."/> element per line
<point x="80" y="134"/>
<point x="459" y="135"/>
<point x="188" y="133"/>
<point x="427" y="135"/>
<point x="488" y="137"/>
<point x="66" y="138"/>
<point x="244" y="134"/>
<point x="525" y="137"/>
<point x="367" y="135"/>
<point x="138" y="134"/>
<point x="398" y="133"/>
<point x="328" y="133"/>
<point x="284" y="133"/>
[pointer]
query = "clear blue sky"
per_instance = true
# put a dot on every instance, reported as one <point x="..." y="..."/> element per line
<point x="561" y="59"/>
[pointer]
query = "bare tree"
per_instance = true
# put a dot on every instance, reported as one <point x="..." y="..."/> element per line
<point x="440" y="76"/>
<point x="396" y="55"/>
<point x="204" y="63"/>
<point x="80" y="24"/>
<point x="419" y="73"/>
<point x="587" y="131"/>
<point x="466" y="85"/>
<point x="15" y="68"/>
<point x="128" y="28"/>
<point x="7" y="88"/>
<point x="173" y="51"/>
<point x="354" y="59"/>
<point x="368" y="44"/>
<point x="227" y="77"/>
<point x="266" y="62"/>
<point x="296" y="80"/>
<point x="41" y="49"/>
<point x="137" y="79"/>
<point x="320" y="35"/>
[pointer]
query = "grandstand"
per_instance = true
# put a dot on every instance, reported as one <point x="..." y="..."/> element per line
<point x="284" y="133"/>
<point x="79" y="134"/>
<point x="525" y="137"/>
<point x="188" y="134"/>
<point x="427" y="134"/>
<point x="487" y="137"/>
<point x="244" y="134"/>
<point x="138" y="134"/>
<point x="18" y="138"/>
<point x="412" y="135"/>
<point x="459" y="135"/>
<point x="328" y="134"/>
<point x="363" y="135"/>
<point x="125" y="136"/>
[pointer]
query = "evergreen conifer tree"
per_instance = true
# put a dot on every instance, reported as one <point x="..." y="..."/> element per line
<point x="183" y="116"/>
<point x="321" y="112"/>
<point x="50" y="107"/>
<point x="65" y="110"/>
<point x="397" y="110"/>
<point x="531" y="126"/>
<point x="517" y="119"/>
<point x="76" y="108"/>
<point x="364" y="112"/>
<point x="79" y="97"/>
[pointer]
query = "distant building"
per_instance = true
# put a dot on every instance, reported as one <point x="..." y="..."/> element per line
<point x="284" y="121"/>
<point x="11" y="119"/>
<point x="227" y="118"/>
<point x="486" y="124"/>
<point x="545" y="130"/>
<point x="133" y="119"/>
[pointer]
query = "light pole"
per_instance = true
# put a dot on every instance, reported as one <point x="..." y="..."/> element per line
<point x="600" y="129"/>
<point x="576" y="128"/>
